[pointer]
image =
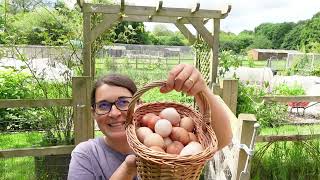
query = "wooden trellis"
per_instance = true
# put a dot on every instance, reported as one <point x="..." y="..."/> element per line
<point x="113" y="14"/>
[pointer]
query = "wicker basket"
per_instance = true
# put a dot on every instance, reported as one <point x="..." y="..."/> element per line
<point x="151" y="164"/>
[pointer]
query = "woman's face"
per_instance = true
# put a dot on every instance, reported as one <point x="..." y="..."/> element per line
<point x="112" y="124"/>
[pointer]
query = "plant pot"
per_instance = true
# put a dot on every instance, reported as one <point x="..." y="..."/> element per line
<point x="52" y="166"/>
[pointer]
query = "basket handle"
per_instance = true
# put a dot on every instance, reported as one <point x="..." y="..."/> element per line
<point x="206" y="114"/>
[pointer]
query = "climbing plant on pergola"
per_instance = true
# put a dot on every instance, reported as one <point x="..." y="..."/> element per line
<point x="206" y="59"/>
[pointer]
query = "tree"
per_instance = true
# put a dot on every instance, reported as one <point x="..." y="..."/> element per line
<point x="162" y="30"/>
<point x="260" y="42"/>
<point x="129" y="33"/>
<point x="274" y="32"/>
<point x="305" y="34"/>
<point x="237" y="44"/>
<point x="17" y="6"/>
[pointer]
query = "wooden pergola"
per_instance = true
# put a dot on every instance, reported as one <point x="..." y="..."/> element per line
<point x="180" y="17"/>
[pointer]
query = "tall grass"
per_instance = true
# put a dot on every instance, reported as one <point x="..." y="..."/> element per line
<point x="287" y="160"/>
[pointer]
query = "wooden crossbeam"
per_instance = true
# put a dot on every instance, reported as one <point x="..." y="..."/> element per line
<point x="160" y="19"/>
<point x="199" y="26"/>
<point x="185" y="31"/>
<point x="147" y="11"/>
<point x="107" y="22"/>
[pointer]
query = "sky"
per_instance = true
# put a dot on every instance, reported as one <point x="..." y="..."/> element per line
<point x="245" y="14"/>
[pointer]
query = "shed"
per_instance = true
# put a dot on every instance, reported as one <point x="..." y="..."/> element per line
<point x="265" y="54"/>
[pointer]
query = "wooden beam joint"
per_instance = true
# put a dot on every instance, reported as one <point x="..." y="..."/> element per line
<point x="122" y="6"/>
<point x="196" y="8"/>
<point x="159" y="6"/>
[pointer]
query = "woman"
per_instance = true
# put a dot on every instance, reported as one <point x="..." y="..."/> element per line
<point x="109" y="157"/>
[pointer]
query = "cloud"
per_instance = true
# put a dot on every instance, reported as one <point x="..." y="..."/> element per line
<point x="246" y="14"/>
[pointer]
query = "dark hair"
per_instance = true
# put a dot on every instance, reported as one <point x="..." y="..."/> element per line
<point x="113" y="79"/>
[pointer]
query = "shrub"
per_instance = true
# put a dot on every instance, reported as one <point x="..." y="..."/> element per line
<point x="250" y="101"/>
<point x="16" y="85"/>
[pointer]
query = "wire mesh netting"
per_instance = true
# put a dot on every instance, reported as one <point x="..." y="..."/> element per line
<point x="304" y="62"/>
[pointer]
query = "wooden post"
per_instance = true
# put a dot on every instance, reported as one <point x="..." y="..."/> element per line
<point x="136" y="62"/>
<point x="83" y="123"/>
<point x="246" y="132"/>
<point x="215" y="51"/>
<point x="230" y="93"/>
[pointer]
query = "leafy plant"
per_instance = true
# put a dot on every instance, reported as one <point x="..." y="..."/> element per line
<point x="16" y="85"/>
<point x="249" y="101"/>
<point x="299" y="66"/>
<point x="286" y="160"/>
<point x="285" y="89"/>
<point x="227" y="60"/>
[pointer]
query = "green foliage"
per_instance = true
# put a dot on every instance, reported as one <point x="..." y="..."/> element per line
<point x="237" y="44"/>
<point x="227" y="60"/>
<point x="42" y="26"/>
<point x="174" y="39"/>
<point x="299" y="66"/>
<point x="293" y="38"/>
<point x="129" y="33"/>
<point x="287" y="160"/>
<point x="249" y="101"/>
<point x="275" y="32"/>
<point x="285" y="89"/>
<point x="304" y="34"/>
<point x="16" y="85"/>
<point x="260" y="42"/>
<point x="316" y="71"/>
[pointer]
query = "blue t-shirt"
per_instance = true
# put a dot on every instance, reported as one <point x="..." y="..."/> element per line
<point x="94" y="160"/>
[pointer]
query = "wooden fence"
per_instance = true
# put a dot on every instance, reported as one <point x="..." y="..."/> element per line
<point x="78" y="102"/>
<point x="297" y="137"/>
<point x="227" y="163"/>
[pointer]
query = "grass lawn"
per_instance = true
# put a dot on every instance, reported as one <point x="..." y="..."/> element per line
<point x="291" y="129"/>
<point x="279" y="65"/>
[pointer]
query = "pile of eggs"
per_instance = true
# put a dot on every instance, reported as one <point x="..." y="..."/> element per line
<point x="169" y="132"/>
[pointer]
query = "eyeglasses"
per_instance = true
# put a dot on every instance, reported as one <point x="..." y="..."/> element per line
<point x="104" y="107"/>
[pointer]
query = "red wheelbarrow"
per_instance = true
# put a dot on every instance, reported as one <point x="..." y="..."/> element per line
<point x="300" y="105"/>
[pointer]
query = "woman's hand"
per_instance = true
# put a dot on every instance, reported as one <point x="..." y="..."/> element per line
<point x="185" y="78"/>
<point x="127" y="170"/>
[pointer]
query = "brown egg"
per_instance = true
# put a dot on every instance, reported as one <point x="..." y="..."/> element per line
<point x="170" y="114"/>
<point x="193" y="137"/>
<point x="143" y="132"/>
<point x="167" y="141"/>
<point x="187" y="124"/>
<point x="154" y="139"/>
<point x="152" y="121"/>
<point x="180" y="134"/>
<point x="175" y="147"/>
<point x="146" y="118"/>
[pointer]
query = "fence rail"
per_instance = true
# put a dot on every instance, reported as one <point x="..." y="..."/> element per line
<point x="276" y="138"/>
<point x="15" y="103"/>
<point x="39" y="151"/>
<point x="284" y="99"/>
